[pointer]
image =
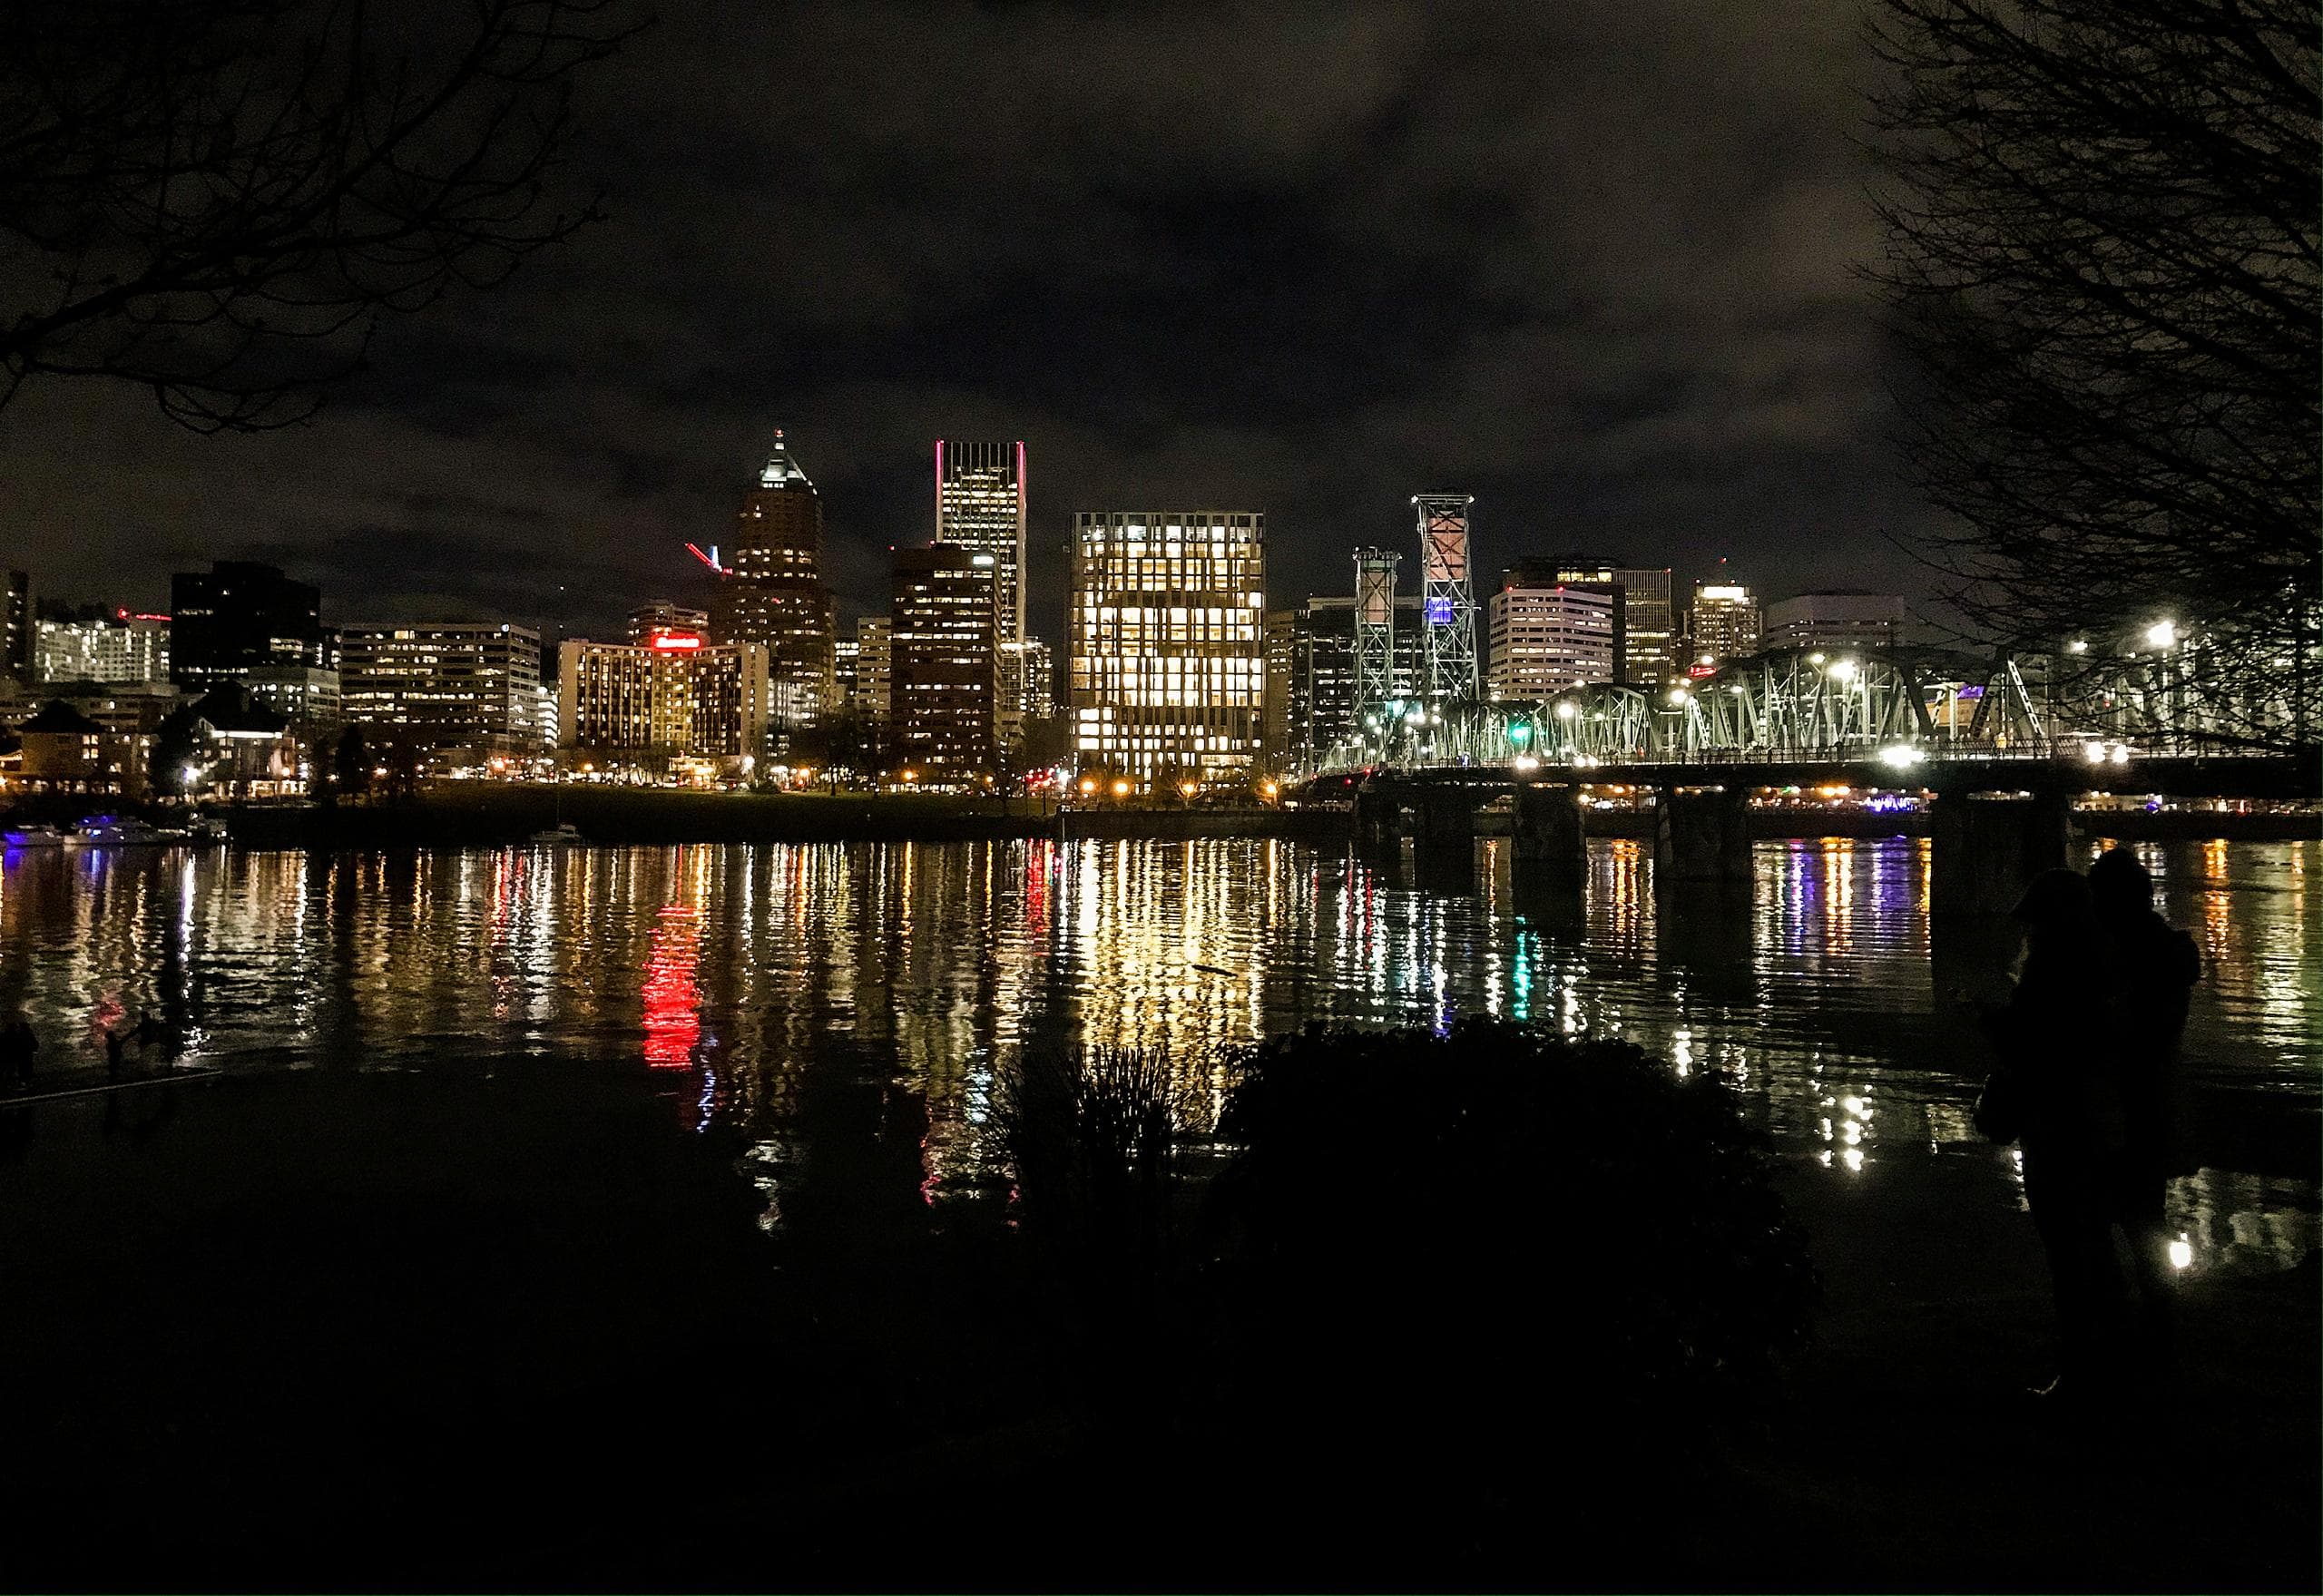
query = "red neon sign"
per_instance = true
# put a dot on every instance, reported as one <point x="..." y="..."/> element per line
<point x="668" y="640"/>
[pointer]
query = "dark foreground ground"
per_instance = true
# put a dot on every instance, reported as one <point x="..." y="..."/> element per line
<point x="391" y="1331"/>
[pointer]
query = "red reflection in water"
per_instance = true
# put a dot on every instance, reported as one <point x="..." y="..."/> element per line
<point x="672" y="999"/>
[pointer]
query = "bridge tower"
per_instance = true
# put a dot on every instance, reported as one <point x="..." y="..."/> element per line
<point x="1449" y="614"/>
<point x="1375" y="630"/>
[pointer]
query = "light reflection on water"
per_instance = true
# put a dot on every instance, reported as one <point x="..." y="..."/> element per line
<point x="932" y="964"/>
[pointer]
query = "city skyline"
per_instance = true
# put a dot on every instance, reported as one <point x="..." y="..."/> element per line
<point x="1664" y="360"/>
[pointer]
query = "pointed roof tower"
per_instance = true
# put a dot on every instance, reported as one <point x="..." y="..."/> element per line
<point x="781" y="470"/>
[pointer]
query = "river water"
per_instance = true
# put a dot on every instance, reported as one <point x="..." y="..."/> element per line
<point x="743" y="971"/>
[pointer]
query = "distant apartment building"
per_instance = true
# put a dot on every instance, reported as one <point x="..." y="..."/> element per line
<point x="771" y="590"/>
<point x="1545" y="635"/>
<point x="676" y="698"/>
<point x="1723" y="624"/>
<point x="1837" y="618"/>
<point x="444" y="684"/>
<point x="666" y="615"/>
<point x="238" y="617"/>
<point x="1168" y="656"/>
<point x="943" y="679"/>
<point x="124" y="646"/>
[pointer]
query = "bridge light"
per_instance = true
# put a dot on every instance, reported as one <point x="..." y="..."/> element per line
<point x="1520" y="732"/>
<point x="1528" y="762"/>
<point x="1567" y="709"/>
<point x="1843" y="669"/>
<point x="2121" y="753"/>
<point x="1900" y="755"/>
<point x="1814" y="659"/>
<point x="2161" y="634"/>
<point x="2079" y="645"/>
<point x="1416" y="718"/>
<point x="2096" y="753"/>
<point x="1680" y="697"/>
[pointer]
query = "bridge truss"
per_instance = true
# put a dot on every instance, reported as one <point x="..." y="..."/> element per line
<point x="1784" y="704"/>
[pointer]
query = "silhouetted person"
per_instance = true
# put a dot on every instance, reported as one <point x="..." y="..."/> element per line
<point x="148" y="1030"/>
<point x="115" y="1041"/>
<point x="2154" y="968"/>
<point x="2057" y="1035"/>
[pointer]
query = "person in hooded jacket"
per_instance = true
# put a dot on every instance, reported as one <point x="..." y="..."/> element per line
<point x="2154" y="968"/>
<point x="2057" y="1039"/>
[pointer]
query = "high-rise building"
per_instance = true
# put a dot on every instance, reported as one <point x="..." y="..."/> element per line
<point x="772" y="589"/>
<point x="1838" y="618"/>
<point x="666" y="615"/>
<point x="18" y="628"/>
<point x="120" y="647"/>
<point x="675" y="697"/>
<point x="239" y="616"/>
<point x="1646" y="622"/>
<point x="944" y="684"/>
<point x="444" y="684"/>
<point x="980" y="505"/>
<point x="874" y="668"/>
<point x="1547" y="636"/>
<point x="1315" y="694"/>
<point x="1724" y="624"/>
<point x="1169" y="667"/>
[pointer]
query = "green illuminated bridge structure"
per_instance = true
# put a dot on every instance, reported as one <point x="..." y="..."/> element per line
<point x="2004" y="758"/>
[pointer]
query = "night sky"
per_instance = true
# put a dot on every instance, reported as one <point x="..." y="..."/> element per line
<point x="1586" y="260"/>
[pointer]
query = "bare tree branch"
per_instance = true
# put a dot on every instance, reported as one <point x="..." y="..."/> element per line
<point x="2103" y="247"/>
<point x="218" y="199"/>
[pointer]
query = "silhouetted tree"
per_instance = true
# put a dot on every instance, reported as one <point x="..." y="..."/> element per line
<point x="2103" y="248"/>
<point x="218" y="199"/>
<point x="351" y="762"/>
<point x="176" y="745"/>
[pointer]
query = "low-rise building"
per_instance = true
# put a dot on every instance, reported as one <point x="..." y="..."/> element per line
<point x="64" y="750"/>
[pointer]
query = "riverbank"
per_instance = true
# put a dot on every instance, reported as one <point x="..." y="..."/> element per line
<point x="519" y="1327"/>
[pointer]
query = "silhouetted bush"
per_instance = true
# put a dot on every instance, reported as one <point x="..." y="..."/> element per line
<point x="1498" y="1261"/>
<point x="1089" y="1140"/>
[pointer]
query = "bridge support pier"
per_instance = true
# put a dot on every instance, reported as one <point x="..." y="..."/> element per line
<point x="1445" y="850"/>
<point x="1378" y="820"/>
<point x="1987" y="845"/>
<point x="1550" y="850"/>
<point x="1701" y="833"/>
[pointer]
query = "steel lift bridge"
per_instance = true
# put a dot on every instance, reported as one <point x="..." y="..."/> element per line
<point x="1809" y="705"/>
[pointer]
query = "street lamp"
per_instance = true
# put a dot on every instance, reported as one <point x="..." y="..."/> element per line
<point x="1843" y="669"/>
<point x="2161" y="634"/>
<point x="1567" y="709"/>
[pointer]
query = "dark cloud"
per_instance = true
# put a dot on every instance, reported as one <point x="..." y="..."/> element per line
<point x="1589" y="261"/>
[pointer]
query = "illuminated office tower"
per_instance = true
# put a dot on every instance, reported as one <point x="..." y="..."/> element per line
<point x="980" y="505"/>
<point x="1169" y="666"/>
<point x="1036" y="692"/>
<point x="1447" y="599"/>
<point x="1641" y="619"/>
<point x="771" y="593"/>
<point x="1547" y="635"/>
<point x="943" y="684"/>
<point x="1725" y="622"/>
<point x="1317" y="698"/>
